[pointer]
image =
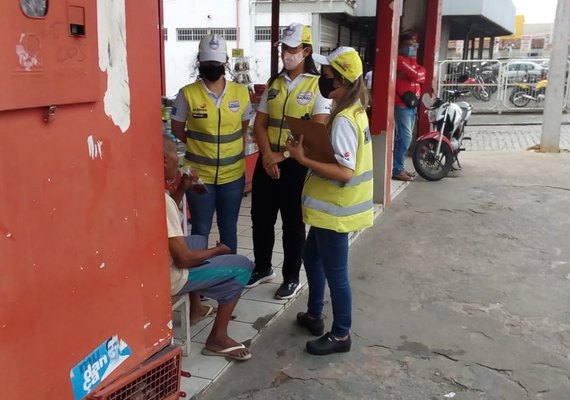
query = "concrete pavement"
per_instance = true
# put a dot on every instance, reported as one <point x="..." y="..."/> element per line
<point x="461" y="287"/>
<point x="508" y="119"/>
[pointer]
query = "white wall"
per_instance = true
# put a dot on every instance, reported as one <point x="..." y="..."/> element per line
<point x="180" y="56"/>
<point x="262" y="50"/>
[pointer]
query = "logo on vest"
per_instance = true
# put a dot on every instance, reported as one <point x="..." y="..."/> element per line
<point x="272" y="94"/>
<point x="201" y="111"/>
<point x="304" y="98"/>
<point x="233" y="105"/>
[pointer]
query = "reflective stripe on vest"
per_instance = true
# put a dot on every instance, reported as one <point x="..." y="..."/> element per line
<point x="338" y="206"/>
<point x="206" y="137"/>
<point x="296" y="103"/>
<point x="222" y="162"/>
<point x="337" y="211"/>
<point x="355" y="180"/>
<point x="214" y="144"/>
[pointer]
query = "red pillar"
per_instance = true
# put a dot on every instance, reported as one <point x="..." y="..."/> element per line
<point x="431" y="54"/>
<point x="384" y="81"/>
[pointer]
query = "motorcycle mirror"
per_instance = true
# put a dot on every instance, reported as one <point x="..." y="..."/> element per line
<point x="426" y="100"/>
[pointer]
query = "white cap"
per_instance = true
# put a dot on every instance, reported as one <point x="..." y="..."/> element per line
<point x="295" y="34"/>
<point x="213" y="48"/>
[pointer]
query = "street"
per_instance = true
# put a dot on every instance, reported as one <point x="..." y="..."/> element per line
<point x="460" y="290"/>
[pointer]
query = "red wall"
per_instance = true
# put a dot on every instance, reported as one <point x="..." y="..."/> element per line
<point x="83" y="248"/>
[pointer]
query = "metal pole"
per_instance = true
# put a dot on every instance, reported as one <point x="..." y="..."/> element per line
<point x="491" y="47"/>
<point x="552" y="117"/>
<point x="274" y="35"/>
<point x="481" y="47"/>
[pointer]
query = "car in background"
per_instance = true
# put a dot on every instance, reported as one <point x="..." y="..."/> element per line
<point x="518" y="71"/>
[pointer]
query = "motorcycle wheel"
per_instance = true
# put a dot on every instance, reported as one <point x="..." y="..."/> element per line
<point x="519" y="100"/>
<point x="431" y="166"/>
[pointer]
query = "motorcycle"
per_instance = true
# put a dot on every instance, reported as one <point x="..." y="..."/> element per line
<point x="524" y="93"/>
<point x="476" y="85"/>
<point x="436" y="151"/>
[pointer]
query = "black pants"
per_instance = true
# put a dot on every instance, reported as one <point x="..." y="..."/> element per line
<point x="267" y="198"/>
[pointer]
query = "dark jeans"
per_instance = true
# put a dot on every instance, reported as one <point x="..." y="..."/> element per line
<point x="326" y="260"/>
<point x="267" y="198"/>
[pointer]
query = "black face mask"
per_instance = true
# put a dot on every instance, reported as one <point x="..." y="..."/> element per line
<point x="211" y="72"/>
<point x="326" y="86"/>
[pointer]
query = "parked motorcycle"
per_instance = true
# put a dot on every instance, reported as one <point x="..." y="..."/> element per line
<point x="476" y="85"/>
<point x="523" y="93"/>
<point x="436" y="151"/>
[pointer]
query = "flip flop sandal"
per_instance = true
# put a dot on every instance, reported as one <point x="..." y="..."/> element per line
<point x="211" y="311"/>
<point x="226" y="353"/>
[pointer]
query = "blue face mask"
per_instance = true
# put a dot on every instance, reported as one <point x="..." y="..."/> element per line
<point x="409" y="51"/>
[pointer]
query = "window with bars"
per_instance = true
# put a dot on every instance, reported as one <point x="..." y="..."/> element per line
<point x="263" y="33"/>
<point x="195" y="34"/>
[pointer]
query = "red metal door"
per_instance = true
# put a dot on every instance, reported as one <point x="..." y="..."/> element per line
<point x="83" y="249"/>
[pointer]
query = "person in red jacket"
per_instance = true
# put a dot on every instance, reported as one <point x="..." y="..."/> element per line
<point x="409" y="76"/>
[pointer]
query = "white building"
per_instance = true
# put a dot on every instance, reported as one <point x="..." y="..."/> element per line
<point x="246" y="24"/>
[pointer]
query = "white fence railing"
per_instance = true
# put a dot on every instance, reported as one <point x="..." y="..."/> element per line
<point x="496" y="86"/>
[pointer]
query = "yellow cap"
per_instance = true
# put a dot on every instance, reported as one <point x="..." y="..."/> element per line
<point x="345" y="60"/>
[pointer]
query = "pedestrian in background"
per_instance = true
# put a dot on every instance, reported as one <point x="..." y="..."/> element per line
<point x="278" y="179"/>
<point x="409" y="76"/>
<point x="337" y="199"/>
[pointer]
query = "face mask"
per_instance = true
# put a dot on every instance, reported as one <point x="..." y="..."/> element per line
<point x="290" y="61"/>
<point x="326" y="86"/>
<point x="409" y="51"/>
<point x="211" y="72"/>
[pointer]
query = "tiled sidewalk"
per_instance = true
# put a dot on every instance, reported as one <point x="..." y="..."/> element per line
<point x="256" y="309"/>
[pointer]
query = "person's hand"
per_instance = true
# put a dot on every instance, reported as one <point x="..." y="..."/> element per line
<point x="296" y="149"/>
<point x="222" y="248"/>
<point x="186" y="182"/>
<point x="273" y="171"/>
<point x="272" y="158"/>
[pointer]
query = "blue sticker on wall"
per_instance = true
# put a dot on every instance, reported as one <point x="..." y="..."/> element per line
<point x="90" y="371"/>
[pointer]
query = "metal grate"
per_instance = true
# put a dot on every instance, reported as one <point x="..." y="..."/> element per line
<point x="195" y="34"/>
<point x="160" y="382"/>
<point x="263" y="33"/>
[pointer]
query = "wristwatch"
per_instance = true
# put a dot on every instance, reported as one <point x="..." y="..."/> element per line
<point x="286" y="154"/>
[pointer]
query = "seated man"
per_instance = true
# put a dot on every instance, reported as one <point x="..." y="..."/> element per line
<point x="213" y="272"/>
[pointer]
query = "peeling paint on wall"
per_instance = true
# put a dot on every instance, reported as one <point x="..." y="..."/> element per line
<point x="95" y="148"/>
<point x="112" y="36"/>
<point x="26" y="50"/>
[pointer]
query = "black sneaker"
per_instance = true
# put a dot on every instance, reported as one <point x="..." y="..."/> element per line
<point x="315" y="326"/>
<point x="258" y="277"/>
<point x="287" y="290"/>
<point x="328" y="344"/>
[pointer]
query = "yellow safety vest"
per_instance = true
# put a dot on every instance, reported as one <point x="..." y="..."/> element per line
<point x="297" y="103"/>
<point x="343" y="207"/>
<point x="214" y="140"/>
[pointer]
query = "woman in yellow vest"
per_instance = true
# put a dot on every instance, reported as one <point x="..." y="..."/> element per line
<point x="337" y="199"/>
<point x="211" y="116"/>
<point x="277" y="179"/>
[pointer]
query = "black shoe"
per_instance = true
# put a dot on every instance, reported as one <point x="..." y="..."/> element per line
<point x="315" y="326"/>
<point x="328" y="344"/>
<point x="287" y="290"/>
<point x="258" y="277"/>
